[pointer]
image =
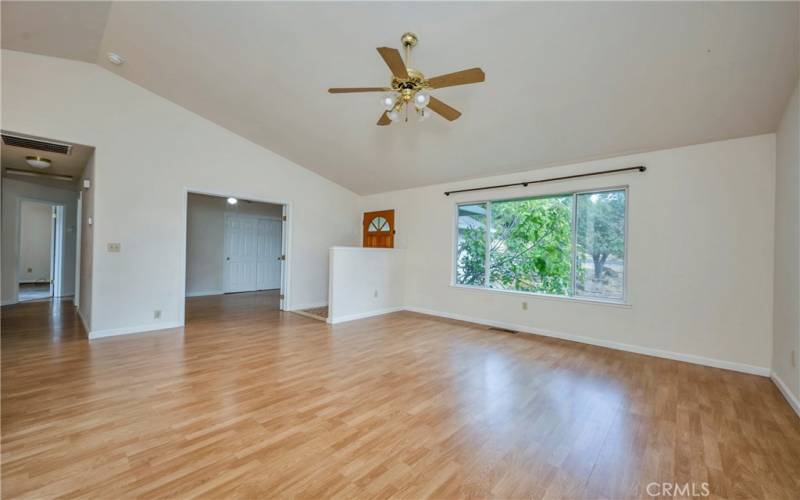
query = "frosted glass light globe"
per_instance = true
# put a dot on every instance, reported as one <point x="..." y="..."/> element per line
<point x="393" y="115"/>
<point x="389" y="101"/>
<point x="421" y="99"/>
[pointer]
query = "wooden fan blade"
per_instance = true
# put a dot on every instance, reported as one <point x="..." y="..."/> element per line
<point x="384" y="119"/>
<point x="357" y="89"/>
<point x="394" y="61"/>
<point x="443" y="109"/>
<point x="464" y="77"/>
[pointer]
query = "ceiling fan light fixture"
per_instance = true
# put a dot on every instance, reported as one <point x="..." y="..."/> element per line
<point x="421" y="99"/>
<point x="37" y="161"/>
<point x="409" y="85"/>
<point x="389" y="101"/>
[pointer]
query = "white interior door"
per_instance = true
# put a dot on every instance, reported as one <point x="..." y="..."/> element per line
<point x="269" y="254"/>
<point x="241" y="254"/>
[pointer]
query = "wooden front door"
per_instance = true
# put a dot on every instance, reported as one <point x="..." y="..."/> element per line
<point x="379" y="229"/>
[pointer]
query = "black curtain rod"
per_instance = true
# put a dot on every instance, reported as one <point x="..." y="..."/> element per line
<point x="640" y="168"/>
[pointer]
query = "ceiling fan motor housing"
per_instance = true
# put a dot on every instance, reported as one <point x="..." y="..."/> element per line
<point x="407" y="88"/>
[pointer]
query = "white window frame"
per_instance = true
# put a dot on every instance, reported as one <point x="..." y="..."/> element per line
<point x="624" y="301"/>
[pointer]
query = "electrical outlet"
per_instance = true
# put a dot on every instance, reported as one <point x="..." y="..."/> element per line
<point x="157" y="314"/>
<point x="524" y="306"/>
<point x="114" y="247"/>
<point x="375" y="294"/>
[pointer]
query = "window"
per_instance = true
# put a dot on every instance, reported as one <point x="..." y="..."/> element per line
<point x="600" y="245"/>
<point x="471" y="253"/>
<point x="570" y="245"/>
<point x="378" y="224"/>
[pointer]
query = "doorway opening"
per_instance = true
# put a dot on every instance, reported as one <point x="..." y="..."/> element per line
<point x="235" y="246"/>
<point x="41" y="243"/>
<point x="43" y="180"/>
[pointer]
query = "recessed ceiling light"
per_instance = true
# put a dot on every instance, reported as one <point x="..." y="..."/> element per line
<point x="37" y="161"/>
<point x="232" y="201"/>
<point x="115" y="58"/>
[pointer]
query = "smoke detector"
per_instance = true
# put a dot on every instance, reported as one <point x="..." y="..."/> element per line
<point x="115" y="58"/>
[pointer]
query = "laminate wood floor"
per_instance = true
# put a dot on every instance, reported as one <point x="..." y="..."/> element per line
<point x="247" y="401"/>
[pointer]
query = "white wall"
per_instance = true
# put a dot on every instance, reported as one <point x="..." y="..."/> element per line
<point x="205" y="238"/>
<point x="149" y="152"/>
<point x="14" y="191"/>
<point x="700" y="255"/>
<point x="35" y="241"/>
<point x="365" y="282"/>
<point x="787" y="251"/>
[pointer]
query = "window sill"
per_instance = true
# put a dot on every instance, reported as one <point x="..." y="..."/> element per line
<point x="580" y="300"/>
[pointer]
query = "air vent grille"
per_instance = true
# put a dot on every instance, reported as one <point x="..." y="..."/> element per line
<point x="36" y="144"/>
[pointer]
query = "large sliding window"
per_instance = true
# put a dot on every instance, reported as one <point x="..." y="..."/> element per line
<point x="570" y="245"/>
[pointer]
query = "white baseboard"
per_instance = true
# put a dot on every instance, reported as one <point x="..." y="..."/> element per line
<point x="112" y="332"/>
<point x="649" y="351"/>
<point x="793" y="400"/>
<point x="369" y="314"/>
<point x="204" y="293"/>
<point x="8" y="302"/>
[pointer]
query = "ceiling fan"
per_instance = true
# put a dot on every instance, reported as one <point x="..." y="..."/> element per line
<point x="409" y="86"/>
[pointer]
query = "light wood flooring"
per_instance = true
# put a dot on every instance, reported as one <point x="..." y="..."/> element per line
<point x="247" y="401"/>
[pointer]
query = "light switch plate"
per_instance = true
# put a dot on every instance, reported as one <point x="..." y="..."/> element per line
<point x="114" y="247"/>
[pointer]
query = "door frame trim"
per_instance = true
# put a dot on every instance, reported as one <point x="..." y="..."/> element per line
<point x="286" y="236"/>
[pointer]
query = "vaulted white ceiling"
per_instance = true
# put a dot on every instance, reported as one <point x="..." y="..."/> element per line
<point x="564" y="81"/>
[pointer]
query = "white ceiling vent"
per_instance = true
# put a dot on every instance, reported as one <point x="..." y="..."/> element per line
<point x="36" y="144"/>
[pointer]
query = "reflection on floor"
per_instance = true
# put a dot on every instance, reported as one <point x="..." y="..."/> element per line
<point x="247" y="401"/>
<point x="34" y="291"/>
